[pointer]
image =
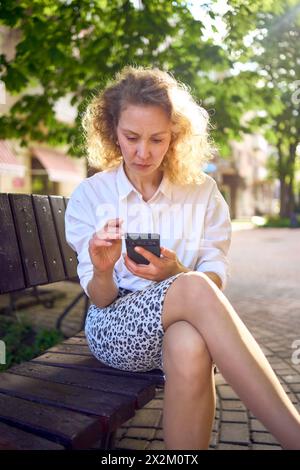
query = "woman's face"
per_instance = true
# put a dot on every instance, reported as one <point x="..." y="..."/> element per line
<point x="144" y="135"/>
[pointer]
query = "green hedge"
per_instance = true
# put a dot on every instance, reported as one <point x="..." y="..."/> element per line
<point x="277" y="221"/>
<point x="22" y="342"/>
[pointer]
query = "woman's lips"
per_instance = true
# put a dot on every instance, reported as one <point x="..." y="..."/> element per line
<point x="142" y="166"/>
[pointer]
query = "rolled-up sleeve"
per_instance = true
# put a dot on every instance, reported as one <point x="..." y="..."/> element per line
<point x="216" y="238"/>
<point x="79" y="227"/>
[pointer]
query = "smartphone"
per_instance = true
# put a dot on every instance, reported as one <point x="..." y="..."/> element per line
<point x="149" y="241"/>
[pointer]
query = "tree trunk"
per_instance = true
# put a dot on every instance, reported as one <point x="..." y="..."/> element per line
<point x="291" y="195"/>
<point x="291" y="168"/>
<point x="284" y="210"/>
<point x="286" y="172"/>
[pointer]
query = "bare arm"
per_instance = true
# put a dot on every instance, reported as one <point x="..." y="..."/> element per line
<point x="215" y="278"/>
<point x="102" y="289"/>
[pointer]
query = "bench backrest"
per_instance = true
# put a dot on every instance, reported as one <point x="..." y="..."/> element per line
<point x="33" y="247"/>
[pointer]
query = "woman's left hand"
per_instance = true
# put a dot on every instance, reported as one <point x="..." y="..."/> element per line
<point x="159" y="268"/>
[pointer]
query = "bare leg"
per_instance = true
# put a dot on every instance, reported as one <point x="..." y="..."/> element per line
<point x="194" y="298"/>
<point x="189" y="384"/>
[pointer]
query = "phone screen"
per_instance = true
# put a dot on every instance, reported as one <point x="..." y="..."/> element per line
<point x="149" y="241"/>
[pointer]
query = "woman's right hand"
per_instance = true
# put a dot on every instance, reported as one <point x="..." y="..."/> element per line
<point x="105" y="247"/>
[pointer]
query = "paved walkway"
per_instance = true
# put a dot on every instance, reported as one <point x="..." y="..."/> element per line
<point x="264" y="290"/>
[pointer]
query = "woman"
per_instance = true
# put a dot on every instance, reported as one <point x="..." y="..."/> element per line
<point x="150" y="138"/>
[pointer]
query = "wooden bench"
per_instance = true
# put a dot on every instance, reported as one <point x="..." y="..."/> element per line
<point x="65" y="398"/>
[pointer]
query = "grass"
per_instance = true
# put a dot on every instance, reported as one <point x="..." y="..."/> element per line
<point x="22" y="342"/>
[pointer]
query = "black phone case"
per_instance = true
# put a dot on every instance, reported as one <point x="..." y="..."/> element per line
<point x="149" y="241"/>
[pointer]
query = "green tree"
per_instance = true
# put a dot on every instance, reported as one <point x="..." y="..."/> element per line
<point x="267" y="35"/>
<point x="73" y="47"/>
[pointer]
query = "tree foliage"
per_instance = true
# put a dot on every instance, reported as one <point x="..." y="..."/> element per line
<point x="73" y="47"/>
<point x="267" y="34"/>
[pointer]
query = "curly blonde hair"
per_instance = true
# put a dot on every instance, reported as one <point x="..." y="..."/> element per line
<point x="190" y="147"/>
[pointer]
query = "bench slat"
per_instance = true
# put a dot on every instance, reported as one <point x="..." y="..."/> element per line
<point x="16" y="439"/>
<point x="81" y="349"/>
<point x="69" y="428"/>
<point x="113" y="408"/>
<point x="76" y="341"/>
<point x="68" y="255"/>
<point x="155" y="375"/>
<point x="141" y="391"/>
<point x="91" y="363"/>
<point x="48" y="238"/>
<point x="11" y="271"/>
<point x="27" y="232"/>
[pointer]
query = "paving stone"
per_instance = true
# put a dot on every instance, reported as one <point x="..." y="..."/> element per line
<point x="158" y="404"/>
<point x="141" y="433"/>
<point x="265" y="447"/>
<point x="226" y="392"/>
<point x="234" y="416"/>
<point x="234" y="433"/>
<point x="156" y="445"/>
<point x="263" y="437"/>
<point x="285" y="387"/>
<point x="256" y="425"/>
<point x="267" y="352"/>
<point x="214" y="439"/>
<point x="159" y="434"/>
<point x="293" y="397"/>
<point x="127" y="423"/>
<point x="216" y="425"/>
<point x="278" y="349"/>
<point x="146" y="418"/>
<point x="160" y="423"/>
<point x="295" y="387"/>
<point x="234" y="405"/>
<point x="285" y="354"/>
<point x="134" y="444"/>
<point x="232" y="447"/>
<point x="278" y="366"/>
<point x="291" y="378"/>
<point x="219" y="380"/>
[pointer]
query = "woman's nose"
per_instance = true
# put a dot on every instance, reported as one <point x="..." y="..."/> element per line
<point x="143" y="150"/>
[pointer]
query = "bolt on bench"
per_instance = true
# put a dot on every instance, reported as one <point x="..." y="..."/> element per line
<point x="65" y="398"/>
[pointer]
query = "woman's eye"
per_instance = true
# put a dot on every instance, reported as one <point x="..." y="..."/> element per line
<point x="133" y="139"/>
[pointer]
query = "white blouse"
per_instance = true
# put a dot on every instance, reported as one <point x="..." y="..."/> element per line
<point x="192" y="220"/>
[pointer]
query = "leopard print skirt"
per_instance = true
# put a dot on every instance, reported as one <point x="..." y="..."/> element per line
<point x="128" y="334"/>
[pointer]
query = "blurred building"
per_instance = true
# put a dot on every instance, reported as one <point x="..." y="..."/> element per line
<point x="243" y="178"/>
<point x="256" y="194"/>
<point x="37" y="169"/>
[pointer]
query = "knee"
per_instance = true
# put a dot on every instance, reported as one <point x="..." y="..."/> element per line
<point x="185" y="353"/>
<point x="196" y="288"/>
